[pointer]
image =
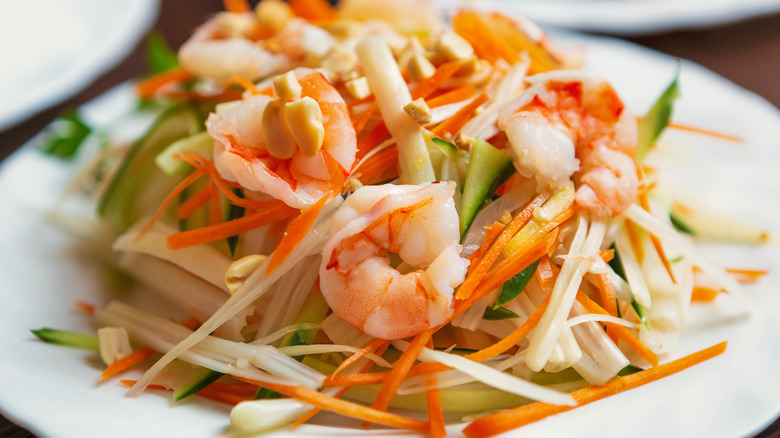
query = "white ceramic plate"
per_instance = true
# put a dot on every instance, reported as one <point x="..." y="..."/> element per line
<point x="54" y="48"/>
<point x="637" y="17"/>
<point x="54" y="391"/>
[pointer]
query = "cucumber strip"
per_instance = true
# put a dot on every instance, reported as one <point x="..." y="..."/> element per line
<point x="200" y="143"/>
<point x="652" y="124"/>
<point x="486" y="165"/>
<point x="617" y="266"/>
<point x="66" y="338"/>
<point x="139" y="186"/>
<point x="515" y="285"/>
<point x="680" y="225"/>
<point x="498" y="312"/>
<point x="201" y="380"/>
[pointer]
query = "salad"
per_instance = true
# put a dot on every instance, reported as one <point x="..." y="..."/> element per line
<point x="363" y="208"/>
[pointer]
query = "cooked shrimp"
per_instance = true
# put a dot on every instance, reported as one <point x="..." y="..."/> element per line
<point x="420" y="225"/>
<point x="243" y="154"/>
<point x="221" y="48"/>
<point x="571" y="123"/>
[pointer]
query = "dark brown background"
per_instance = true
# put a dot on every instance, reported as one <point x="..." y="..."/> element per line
<point x="748" y="53"/>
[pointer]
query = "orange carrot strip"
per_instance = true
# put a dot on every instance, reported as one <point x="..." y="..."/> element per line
<point x="375" y="166"/>
<point x="457" y="95"/>
<point x="621" y="332"/>
<point x="433" y="402"/>
<point x="295" y="232"/>
<point x="633" y="236"/>
<point x="607" y="291"/>
<point x="313" y="10"/>
<point x="747" y="275"/>
<point x="545" y="274"/>
<point x="244" y="83"/>
<point x="196" y="201"/>
<point x="86" y="307"/>
<point x="428" y="86"/>
<point x="703" y="294"/>
<point x="209" y="392"/>
<point x="456" y="122"/>
<point x="491" y="232"/>
<point x="229" y="228"/>
<point x="659" y="249"/>
<point x="400" y="370"/>
<point x="360" y="121"/>
<point x="473" y="278"/>
<point x="356" y="356"/>
<point x="703" y="131"/>
<point x="513" y="418"/>
<point x="236" y="6"/>
<point x="483" y="39"/>
<point x="146" y="88"/>
<point x="126" y="362"/>
<point x="372" y="140"/>
<point x="170" y="198"/>
<point x="215" y="206"/>
<point x="607" y="255"/>
<point x="342" y="407"/>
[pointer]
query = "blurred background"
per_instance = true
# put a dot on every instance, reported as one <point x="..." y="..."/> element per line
<point x="59" y="54"/>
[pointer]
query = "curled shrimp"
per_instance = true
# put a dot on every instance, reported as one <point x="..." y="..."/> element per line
<point x="420" y="225"/>
<point x="241" y="150"/>
<point x="573" y="124"/>
<point x="224" y="47"/>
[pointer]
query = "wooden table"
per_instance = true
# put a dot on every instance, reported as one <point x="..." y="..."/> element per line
<point x="747" y="53"/>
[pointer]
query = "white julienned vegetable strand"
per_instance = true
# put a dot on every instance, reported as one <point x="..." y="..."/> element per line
<point x="392" y="95"/>
<point x="492" y="377"/>
<point x="450" y="378"/>
<point x="595" y="317"/>
<point x="254" y="287"/>
<point x="214" y="353"/>
<point x="201" y="260"/>
<point x="563" y="294"/>
<point x="601" y="358"/>
<point x="188" y="292"/>
<point x="672" y="237"/>
<point x="289" y="295"/>
<point x="283" y="331"/>
<point x="300" y="350"/>
<point x="634" y="275"/>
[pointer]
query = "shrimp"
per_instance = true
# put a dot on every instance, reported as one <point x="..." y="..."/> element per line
<point x="573" y="124"/>
<point x="241" y="152"/>
<point x="420" y="225"/>
<point x="221" y="48"/>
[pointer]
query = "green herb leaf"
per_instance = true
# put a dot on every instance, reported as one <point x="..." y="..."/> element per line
<point x="159" y="56"/>
<point x="515" y="285"/>
<point x="65" y="135"/>
<point x="681" y="225"/>
<point x="652" y="124"/>
<point x="494" y="314"/>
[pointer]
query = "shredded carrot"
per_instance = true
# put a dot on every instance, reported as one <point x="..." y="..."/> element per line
<point x="208" y="392"/>
<point x="620" y="331"/>
<point x="456" y="122"/>
<point x="433" y="83"/>
<point x="215" y="206"/>
<point x="703" y="294"/>
<point x="375" y="166"/>
<point x="747" y="275"/>
<point x="356" y="356"/>
<point x="126" y="362"/>
<point x="146" y="88"/>
<point x="371" y="140"/>
<point x="483" y="39"/>
<point x="236" y="6"/>
<point x="633" y="236"/>
<point x="342" y="407"/>
<point x="313" y="10"/>
<point x="491" y="232"/>
<point x="193" y="203"/>
<point x="486" y="262"/>
<point x="360" y="121"/>
<point x="229" y="228"/>
<point x="86" y="307"/>
<point x="453" y="96"/>
<point x="433" y="401"/>
<point x="607" y="255"/>
<point x="296" y="231"/>
<point x="703" y="131"/>
<point x="191" y="323"/>
<point x="508" y="269"/>
<point x="400" y="370"/>
<point x="659" y="249"/>
<point x="186" y="182"/>
<point x="607" y="291"/>
<point x="545" y="274"/>
<point x="494" y="424"/>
